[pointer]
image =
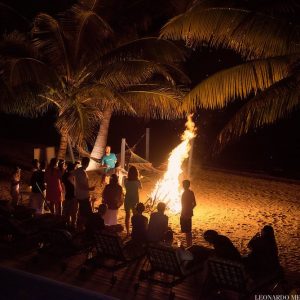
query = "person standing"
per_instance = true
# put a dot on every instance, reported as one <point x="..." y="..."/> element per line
<point x="108" y="161"/>
<point x="70" y="206"/>
<point x="54" y="187"/>
<point x="113" y="197"/>
<point x="82" y="192"/>
<point x="15" y="186"/>
<point x="132" y="186"/>
<point x="37" y="183"/>
<point x="188" y="202"/>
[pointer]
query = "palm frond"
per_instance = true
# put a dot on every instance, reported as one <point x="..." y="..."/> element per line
<point x="253" y="35"/>
<point x="238" y="82"/>
<point x="86" y="28"/>
<point x="104" y="96"/>
<point x="23" y="100"/>
<point x="154" y="101"/>
<point x="273" y="104"/>
<point x="150" y="48"/>
<point x="90" y="4"/>
<point x="15" y="45"/>
<point x="50" y="41"/>
<point x="25" y="70"/>
<point x="121" y="74"/>
<point x="79" y="118"/>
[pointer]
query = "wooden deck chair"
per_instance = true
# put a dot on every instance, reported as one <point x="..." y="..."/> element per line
<point x="163" y="259"/>
<point x="111" y="249"/>
<point x="231" y="276"/>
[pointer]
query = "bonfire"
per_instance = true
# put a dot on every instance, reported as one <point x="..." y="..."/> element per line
<point x="168" y="189"/>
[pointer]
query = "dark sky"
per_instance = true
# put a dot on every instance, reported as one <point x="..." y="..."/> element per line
<point x="272" y="148"/>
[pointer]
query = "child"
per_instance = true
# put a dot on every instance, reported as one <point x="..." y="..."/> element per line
<point x="139" y="224"/>
<point x="188" y="203"/>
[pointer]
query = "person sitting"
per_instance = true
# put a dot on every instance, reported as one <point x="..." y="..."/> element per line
<point x="139" y="224"/>
<point x="263" y="257"/>
<point x="223" y="247"/>
<point x="95" y="222"/>
<point x="108" y="160"/>
<point x="158" y="224"/>
<point x="113" y="197"/>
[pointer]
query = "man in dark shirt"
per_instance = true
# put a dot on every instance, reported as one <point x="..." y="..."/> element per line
<point x="158" y="224"/>
<point x="223" y="246"/>
<point x="139" y="224"/>
<point x="37" y="183"/>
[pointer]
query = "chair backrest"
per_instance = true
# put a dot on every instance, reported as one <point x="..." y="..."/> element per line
<point x="109" y="246"/>
<point x="228" y="275"/>
<point x="164" y="259"/>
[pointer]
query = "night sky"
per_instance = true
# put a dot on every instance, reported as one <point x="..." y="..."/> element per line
<point x="274" y="149"/>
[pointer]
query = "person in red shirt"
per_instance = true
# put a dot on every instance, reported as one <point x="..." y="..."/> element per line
<point x="188" y="202"/>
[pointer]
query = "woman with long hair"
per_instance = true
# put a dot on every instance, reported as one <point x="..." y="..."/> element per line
<point x="53" y="179"/>
<point x="113" y="197"/>
<point x="132" y="185"/>
<point x="263" y="256"/>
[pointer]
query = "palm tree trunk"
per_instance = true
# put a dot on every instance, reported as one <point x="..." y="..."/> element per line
<point x="101" y="140"/>
<point x="63" y="145"/>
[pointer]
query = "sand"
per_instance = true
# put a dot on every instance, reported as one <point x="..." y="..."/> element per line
<point x="237" y="206"/>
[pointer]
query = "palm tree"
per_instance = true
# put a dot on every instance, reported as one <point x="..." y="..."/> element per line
<point x="76" y="65"/>
<point x="267" y="40"/>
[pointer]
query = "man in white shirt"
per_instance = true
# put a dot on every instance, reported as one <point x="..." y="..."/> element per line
<point x="82" y="190"/>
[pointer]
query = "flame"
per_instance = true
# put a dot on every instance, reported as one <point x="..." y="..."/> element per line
<point x="168" y="189"/>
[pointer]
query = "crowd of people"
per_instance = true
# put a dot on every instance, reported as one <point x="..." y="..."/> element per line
<point x="64" y="190"/>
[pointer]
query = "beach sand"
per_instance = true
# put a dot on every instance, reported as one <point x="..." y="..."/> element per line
<point x="236" y="206"/>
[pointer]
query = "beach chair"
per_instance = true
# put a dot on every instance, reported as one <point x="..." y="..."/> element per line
<point x="231" y="276"/>
<point x="163" y="260"/>
<point x="111" y="253"/>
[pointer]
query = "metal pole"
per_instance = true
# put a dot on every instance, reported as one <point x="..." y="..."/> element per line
<point x="123" y="143"/>
<point x="190" y="162"/>
<point x="147" y="143"/>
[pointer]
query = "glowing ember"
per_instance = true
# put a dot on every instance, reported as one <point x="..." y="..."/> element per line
<point x="168" y="189"/>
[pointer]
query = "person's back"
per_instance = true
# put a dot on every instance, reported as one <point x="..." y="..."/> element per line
<point x="69" y="183"/>
<point x="158" y="226"/>
<point x="81" y="184"/>
<point x="264" y="253"/>
<point x="37" y="181"/>
<point x="113" y="195"/>
<point x="139" y="228"/>
<point x="224" y="248"/>
<point x="132" y="190"/>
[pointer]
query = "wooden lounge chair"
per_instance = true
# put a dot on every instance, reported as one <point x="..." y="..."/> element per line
<point x="163" y="259"/>
<point x="111" y="253"/>
<point x="231" y="276"/>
